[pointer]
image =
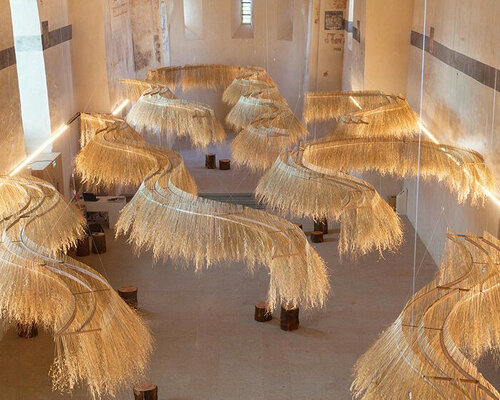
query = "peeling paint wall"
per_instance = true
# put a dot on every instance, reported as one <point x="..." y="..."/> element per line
<point x="149" y="28"/>
<point x="119" y="49"/>
<point x="327" y="37"/>
<point x="11" y="131"/>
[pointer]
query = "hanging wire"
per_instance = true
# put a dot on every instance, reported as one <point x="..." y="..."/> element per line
<point x="417" y="191"/>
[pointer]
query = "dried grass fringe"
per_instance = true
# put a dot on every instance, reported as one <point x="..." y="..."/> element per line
<point x="249" y="108"/>
<point x="209" y="76"/>
<point x="157" y="115"/>
<point x="259" y="144"/>
<point x="167" y="197"/>
<point x="100" y="341"/>
<point x="421" y="355"/>
<point x="230" y="233"/>
<point x="128" y="158"/>
<point x="90" y="123"/>
<point x="367" y="221"/>
<point x="133" y="89"/>
<point x="248" y="85"/>
<point x="396" y="120"/>
<point x="324" y="106"/>
<point x="463" y="171"/>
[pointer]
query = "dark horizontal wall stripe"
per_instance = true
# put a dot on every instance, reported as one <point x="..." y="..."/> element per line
<point x="350" y="28"/>
<point x="49" y="39"/>
<point x="481" y="72"/>
<point x="7" y="58"/>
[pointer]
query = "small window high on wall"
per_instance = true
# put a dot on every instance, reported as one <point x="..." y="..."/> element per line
<point x="246" y="11"/>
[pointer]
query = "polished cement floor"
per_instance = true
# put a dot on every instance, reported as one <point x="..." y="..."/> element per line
<point x="207" y="344"/>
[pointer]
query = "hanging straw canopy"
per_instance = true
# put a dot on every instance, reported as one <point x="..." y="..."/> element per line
<point x="246" y="85"/>
<point x="167" y="198"/>
<point x="259" y="144"/>
<point x="252" y="106"/>
<point x="463" y="171"/>
<point x="367" y="221"/>
<point x="210" y="76"/>
<point x="324" y="106"/>
<point x="395" y="119"/>
<point x="230" y="233"/>
<point x="133" y="89"/>
<point x="157" y="114"/>
<point x="99" y="340"/>
<point x="420" y="356"/>
<point x="90" y="123"/>
<point x="128" y="157"/>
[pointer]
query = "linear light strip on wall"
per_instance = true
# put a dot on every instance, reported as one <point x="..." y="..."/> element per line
<point x="58" y="133"/>
<point x="429" y="134"/>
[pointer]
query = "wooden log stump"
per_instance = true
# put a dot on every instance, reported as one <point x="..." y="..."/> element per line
<point x="83" y="247"/>
<point x="98" y="243"/>
<point x="289" y="319"/>
<point x="321" y="225"/>
<point x="262" y="314"/>
<point x="224" y="164"/>
<point x="27" y="331"/>
<point x="129" y="295"/>
<point x="146" y="391"/>
<point x="317" y="237"/>
<point x="210" y="161"/>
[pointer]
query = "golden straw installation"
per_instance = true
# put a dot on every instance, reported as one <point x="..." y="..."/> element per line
<point x="396" y="119"/>
<point x="430" y="351"/>
<point x="100" y="341"/>
<point x="133" y="89"/>
<point x="367" y="221"/>
<point x="210" y="76"/>
<point x="259" y="144"/>
<point x="463" y="171"/>
<point x="158" y="114"/>
<point x="324" y="106"/>
<point x="167" y="198"/>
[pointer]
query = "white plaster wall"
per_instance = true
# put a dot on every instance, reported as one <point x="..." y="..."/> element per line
<point x="387" y="36"/>
<point x="58" y="68"/>
<point x="458" y="109"/>
<point x="88" y="54"/>
<point x="11" y="134"/>
<point x="285" y="59"/>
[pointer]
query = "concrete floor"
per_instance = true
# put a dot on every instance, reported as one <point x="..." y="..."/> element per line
<point x="207" y="344"/>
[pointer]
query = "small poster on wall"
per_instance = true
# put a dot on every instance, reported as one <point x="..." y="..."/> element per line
<point x="334" y="20"/>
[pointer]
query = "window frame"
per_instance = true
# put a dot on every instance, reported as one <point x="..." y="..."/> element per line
<point x="246" y="12"/>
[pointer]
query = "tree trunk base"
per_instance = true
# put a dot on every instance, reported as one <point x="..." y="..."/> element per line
<point x="98" y="243"/>
<point x="321" y="225"/>
<point x="210" y="161"/>
<point x="262" y="314"/>
<point x="224" y="164"/>
<point x="146" y="391"/>
<point x="289" y="320"/>
<point x="317" y="237"/>
<point x="129" y="295"/>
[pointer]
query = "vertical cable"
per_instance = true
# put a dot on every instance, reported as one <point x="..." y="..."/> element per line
<point x="267" y="41"/>
<point x="417" y="189"/>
